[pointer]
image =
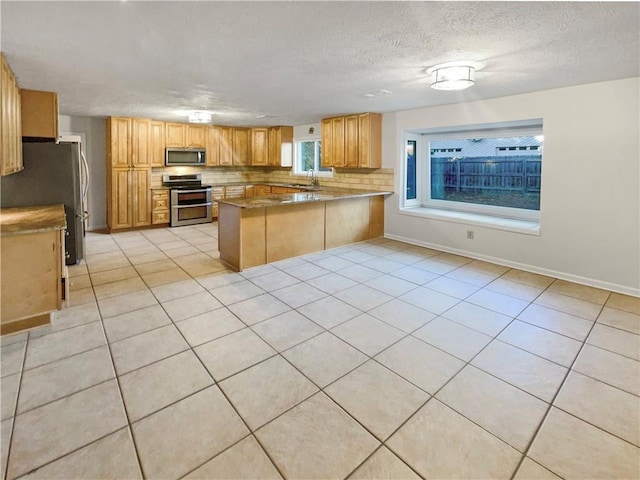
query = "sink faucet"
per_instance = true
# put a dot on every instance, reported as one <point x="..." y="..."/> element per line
<point x="315" y="181"/>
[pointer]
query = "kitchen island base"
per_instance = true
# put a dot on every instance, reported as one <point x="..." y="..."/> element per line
<point x="254" y="236"/>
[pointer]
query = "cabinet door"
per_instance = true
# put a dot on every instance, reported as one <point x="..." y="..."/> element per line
<point x="213" y="157"/>
<point x="175" y="135"/>
<point x="370" y="140"/>
<point x="140" y="196"/>
<point x="351" y="141"/>
<point x="39" y="114"/>
<point x="337" y="137"/>
<point x="225" y="145"/>
<point x="118" y="131"/>
<point x="241" y="155"/>
<point x="120" y="214"/>
<point x="327" y="143"/>
<point x="260" y="146"/>
<point x="140" y="142"/>
<point x="157" y="144"/>
<point x="281" y="146"/>
<point x="10" y="123"/>
<point x="196" y="136"/>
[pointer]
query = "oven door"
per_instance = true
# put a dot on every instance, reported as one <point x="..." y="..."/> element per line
<point x="189" y="207"/>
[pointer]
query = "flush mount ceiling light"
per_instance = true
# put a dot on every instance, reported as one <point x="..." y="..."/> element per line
<point x="452" y="77"/>
<point x="199" y="116"/>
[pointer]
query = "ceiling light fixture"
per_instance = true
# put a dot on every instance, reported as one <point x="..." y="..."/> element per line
<point x="199" y="116"/>
<point x="452" y="77"/>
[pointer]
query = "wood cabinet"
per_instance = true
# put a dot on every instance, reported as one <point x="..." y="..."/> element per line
<point x="32" y="266"/>
<point x="196" y="136"/>
<point x="10" y="122"/>
<point x="260" y="146"/>
<point x="159" y="206"/>
<point x="281" y="146"/>
<point x="39" y="114"/>
<point x="128" y="173"/>
<point x="353" y="141"/>
<point x="217" y="193"/>
<point x="140" y="142"/>
<point x="234" y="191"/>
<point x="370" y="140"/>
<point x="212" y="147"/>
<point x="175" y="135"/>
<point x="157" y="143"/>
<point x="261" y="190"/>
<point x="225" y="146"/>
<point x="333" y="142"/>
<point x="184" y="135"/>
<point x="241" y="146"/>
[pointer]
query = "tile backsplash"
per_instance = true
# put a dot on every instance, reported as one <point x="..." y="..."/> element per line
<point x="381" y="179"/>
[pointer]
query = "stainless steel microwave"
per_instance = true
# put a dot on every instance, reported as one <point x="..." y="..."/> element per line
<point x="175" y="157"/>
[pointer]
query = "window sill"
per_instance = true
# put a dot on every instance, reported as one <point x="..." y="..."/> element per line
<point x="526" y="227"/>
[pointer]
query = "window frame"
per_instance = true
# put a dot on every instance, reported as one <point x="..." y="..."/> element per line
<point x="423" y="170"/>
<point x="297" y="170"/>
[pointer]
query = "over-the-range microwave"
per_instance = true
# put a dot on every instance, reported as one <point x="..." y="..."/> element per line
<point x="175" y="157"/>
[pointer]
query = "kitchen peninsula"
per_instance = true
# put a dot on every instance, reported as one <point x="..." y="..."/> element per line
<point x="259" y="230"/>
<point x="33" y="268"/>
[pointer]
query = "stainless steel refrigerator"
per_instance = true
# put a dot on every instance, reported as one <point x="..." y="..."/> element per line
<point x="53" y="173"/>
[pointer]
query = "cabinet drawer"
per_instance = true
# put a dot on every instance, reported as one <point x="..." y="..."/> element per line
<point x="161" y="216"/>
<point x="262" y="190"/>
<point x="217" y="192"/>
<point x="160" y="203"/>
<point x="236" y="191"/>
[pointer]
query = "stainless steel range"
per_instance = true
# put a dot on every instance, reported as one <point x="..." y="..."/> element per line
<point x="190" y="201"/>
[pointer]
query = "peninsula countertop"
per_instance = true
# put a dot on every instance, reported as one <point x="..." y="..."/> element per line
<point x="42" y="218"/>
<point x="322" y="195"/>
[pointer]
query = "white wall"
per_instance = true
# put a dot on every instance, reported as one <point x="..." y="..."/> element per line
<point x="590" y="200"/>
<point x="94" y="130"/>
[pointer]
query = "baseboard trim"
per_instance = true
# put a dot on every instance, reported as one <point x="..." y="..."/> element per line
<point x="591" y="282"/>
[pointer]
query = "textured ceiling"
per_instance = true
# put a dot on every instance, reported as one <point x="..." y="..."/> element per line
<point x="298" y="62"/>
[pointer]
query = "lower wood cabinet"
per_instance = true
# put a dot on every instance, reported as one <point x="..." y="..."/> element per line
<point x="129" y="203"/>
<point x="160" y="206"/>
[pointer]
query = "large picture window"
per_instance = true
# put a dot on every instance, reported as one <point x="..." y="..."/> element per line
<point x="491" y="171"/>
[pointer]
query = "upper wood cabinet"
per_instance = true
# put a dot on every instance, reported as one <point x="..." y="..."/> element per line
<point x="259" y="146"/>
<point x="157" y="143"/>
<point x="10" y="122"/>
<point x="175" y="135"/>
<point x="183" y="135"/>
<point x="140" y="142"/>
<point x="281" y="146"/>
<point x="241" y="146"/>
<point x="196" y="136"/>
<point x="118" y="142"/>
<point x="353" y="141"/>
<point x="333" y="153"/>
<point x="370" y="140"/>
<point x="225" y="145"/>
<point x="39" y="114"/>
<point x="212" y="146"/>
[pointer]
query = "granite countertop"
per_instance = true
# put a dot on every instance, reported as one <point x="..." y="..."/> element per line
<point x="20" y="220"/>
<point x="322" y="195"/>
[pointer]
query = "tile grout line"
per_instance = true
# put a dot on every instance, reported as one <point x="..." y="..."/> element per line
<point x="5" y="473"/>
<point x="124" y="406"/>
<point x="551" y="403"/>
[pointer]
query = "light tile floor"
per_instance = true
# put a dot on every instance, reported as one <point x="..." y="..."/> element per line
<point x="375" y="360"/>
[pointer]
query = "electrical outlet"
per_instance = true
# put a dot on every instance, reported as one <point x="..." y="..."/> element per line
<point x="470" y="234"/>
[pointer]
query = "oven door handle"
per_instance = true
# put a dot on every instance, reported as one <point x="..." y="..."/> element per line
<point x="198" y="190"/>
<point x="192" y="205"/>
